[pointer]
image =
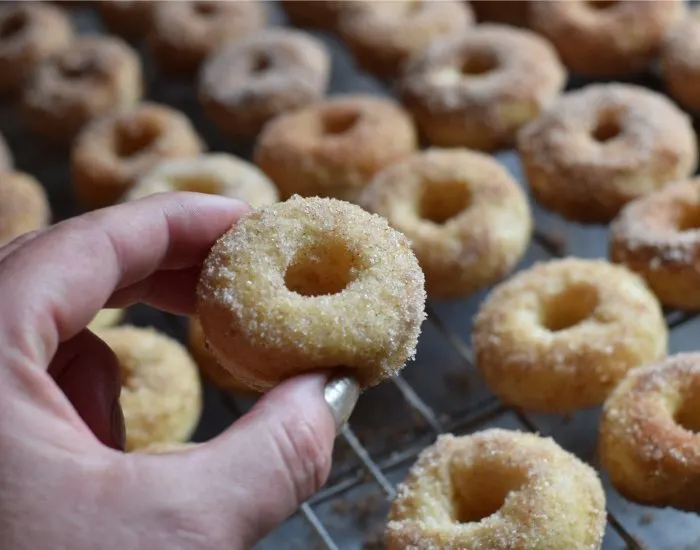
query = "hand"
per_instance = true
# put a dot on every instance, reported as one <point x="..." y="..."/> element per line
<point x="64" y="483"/>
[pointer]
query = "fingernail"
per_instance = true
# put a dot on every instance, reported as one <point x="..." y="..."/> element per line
<point x="118" y="428"/>
<point x="341" y="394"/>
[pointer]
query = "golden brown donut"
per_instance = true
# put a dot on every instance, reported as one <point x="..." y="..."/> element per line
<point x="466" y="217"/>
<point x="185" y="32"/>
<point x="311" y="284"/>
<point x="477" y="89"/>
<point x="29" y="32"/>
<point x="333" y="148"/>
<point x="128" y="18"/>
<point x="497" y="490"/>
<point x="508" y="12"/>
<point x="602" y="146"/>
<point x="314" y="13"/>
<point x="383" y="34"/>
<point x="6" y="161"/>
<point x="680" y="61"/>
<point x="606" y="37"/>
<point x="559" y="336"/>
<point x="24" y="206"/>
<point x="111" y="153"/>
<point x="648" y="441"/>
<point x="106" y="318"/>
<point x="92" y="77"/>
<point x="248" y="82"/>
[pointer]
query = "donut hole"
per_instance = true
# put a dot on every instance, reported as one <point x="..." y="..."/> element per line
<point x="688" y="414"/>
<point x="133" y="139"/>
<point x="13" y="26"/>
<point x="568" y="308"/>
<point x="441" y="201"/>
<point x="601" y="5"/>
<point x="206" y="9"/>
<point x="689" y="218"/>
<point x="260" y="63"/>
<point x="478" y="64"/>
<point x="321" y="269"/>
<point x="607" y="128"/>
<point x="77" y="67"/>
<point x="196" y="183"/>
<point x="339" y="122"/>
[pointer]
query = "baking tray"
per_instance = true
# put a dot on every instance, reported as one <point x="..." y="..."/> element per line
<point x="439" y="392"/>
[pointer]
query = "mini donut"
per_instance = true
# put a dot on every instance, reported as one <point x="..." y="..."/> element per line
<point x="29" y="33"/>
<point x="311" y="284"/>
<point x="184" y="33"/>
<point x="559" y="336"/>
<point x="111" y="153"/>
<point x="605" y="37"/>
<point x="497" y="489"/>
<point x="166" y="447"/>
<point x="508" y="12"/>
<point x="214" y="174"/>
<point x="92" y="77"/>
<point x="680" y="61"/>
<point x="161" y="394"/>
<point x="602" y="146"/>
<point x="466" y="217"/>
<point x="128" y="18"/>
<point x="648" y="438"/>
<point x="333" y="148"/>
<point x="315" y="13"/>
<point x="6" y="161"/>
<point x="106" y="318"/>
<point x="382" y="35"/>
<point x="477" y="89"/>
<point x="24" y="206"/>
<point x="248" y="82"/>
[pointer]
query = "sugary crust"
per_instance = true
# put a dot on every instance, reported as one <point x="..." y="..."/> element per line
<point x="314" y="13"/>
<point x="106" y="318"/>
<point x="644" y="141"/>
<point x="264" y="332"/>
<point x="24" y="206"/>
<point x="533" y="358"/>
<point x="680" y="61"/>
<point x="483" y="110"/>
<point x="480" y="243"/>
<point x="552" y="499"/>
<point x="128" y="18"/>
<point x="6" y="161"/>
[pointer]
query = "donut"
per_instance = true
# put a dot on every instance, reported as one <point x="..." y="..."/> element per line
<point x="24" y="206"/>
<point x="508" y="12"/>
<point x="559" y="336"/>
<point x="602" y="146"/>
<point x="467" y="219"/>
<point x="111" y="153"/>
<point x="245" y="84"/>
<point x="315" y="13"/>
<point x="128" y="18"/>
<point x="6" y="161"/>
<point x="680" y="61"/>
<point x="165" y="447"/>
<point x="184" y="33"/>
<point x="161" y="394"/>
<point x="605" y="37"/>
<point x="382" y="35"/>
<point x="90" y="78"/>
<point x="106" y="318"/>
<point x="29" y="33"/>
<point x="497" y="489"/>
<point x="477" y="89"/>
<point x="311" y="284"/>
<point x="648" y="437"/>
<point x="333" y="148"/>
<point x="214" y="174"/>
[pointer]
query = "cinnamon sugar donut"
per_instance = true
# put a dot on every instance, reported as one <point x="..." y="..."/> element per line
<point x="6" y="161"/>
<point x="559" y="336"/>
<point x="315" y="13"/>
<point x="248" y="82"/>
<point x="383" y="34"/>
<point x="24" y="206"/>
<point x="467" y="219"/>
<point x="311" y="284"/>
<point x="131" y="19"/>
<point x="333" y="148"/>
<point x="648" y="441"/>
<point x="112" y="153"/>
<point x="604" y="145"/>
<point x="498" y="489"/>
<point x="606" y="37"/>
<point x="185" y="32"/>
<point x="680" y="61"/>
<point x="92" y="77"/>
<point x="29" y="33"/>
<point x="477" y="89"/>
<point x="106" y="318"/>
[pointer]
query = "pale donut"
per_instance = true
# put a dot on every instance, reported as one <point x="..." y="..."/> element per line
<point x="131" y="19"/>
<point x="649" y="442"/>
<point x="6" y="161"/>
<point x="311" y="284"/>
<point x="24" y="206"/>
<point x="680" y="61"/>
<point x="106" y="318"/>
<point x="559" y="336"/>
<point x="604" y="145"/>
<point x="467" y="219"/>
<point x="497" y="489"/>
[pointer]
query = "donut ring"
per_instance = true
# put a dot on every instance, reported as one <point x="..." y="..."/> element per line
<point x="24" y="206"/>
<point x="600" y="147"/>
<point x="248" y="82"/>
<point x="333" y="148"/>
<point x="382" y="35"/>
<point x="106" y="318"/>
<point x="648" y="440"/>
<point x="131" y="19"/>
<point x="90" y="78"/>
<point x="559" y="336"/>
<point x="29" y="33"/>
<point x="6" y="161"/>
<point x="214" y="174"/>
<point x="477" y="89"/>
<point x="111" y="153"/>
<point x="311" y="284"/>
<point x="606" y="38"/>
<point x="467" y="219"/>
<point x="680" y="61"/>
<point x="498" y="489"/>
<point x="321" y="14"/>
<point x="161" y="395"/>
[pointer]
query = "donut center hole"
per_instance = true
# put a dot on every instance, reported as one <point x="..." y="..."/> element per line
<point x="321" y="269"/>
<point x="132" y="139"/>
<point x="75" y="67"/>
<point x="196" y="183"/>
<point x="205" y="8"/>
<point x="337" y="123"/>
<point x="568" y="308"/>
<point x="261" y="63"/>
<point x="478" y="64"/>
<point x="13" y="25"/>
<point x="441" y="201"/>
<point x="688" y="416"/>
<point x="600" y="5"/>
<point x="689" y="219"/>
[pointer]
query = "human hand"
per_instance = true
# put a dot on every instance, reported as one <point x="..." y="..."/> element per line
<point x="64" y="484"/>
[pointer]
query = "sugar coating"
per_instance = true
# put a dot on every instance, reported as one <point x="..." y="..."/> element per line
<point x="24" y="206"/>
<point x="265" y="332"/>
<point x="6" y="161"/>
<point x="680" y="61"/>
<point x="106" y="318"/>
